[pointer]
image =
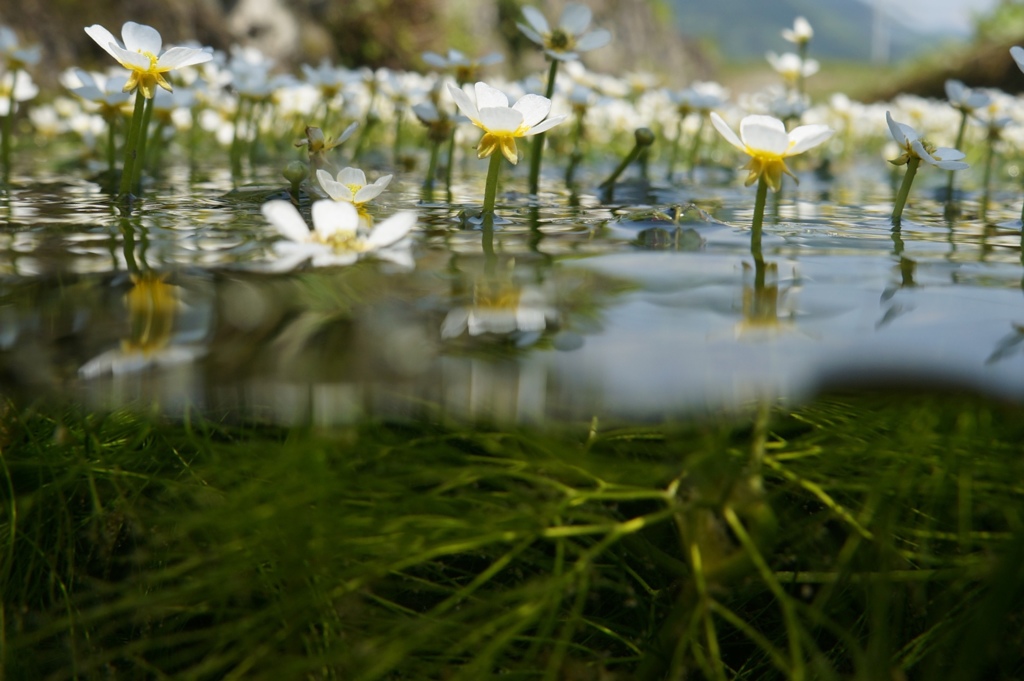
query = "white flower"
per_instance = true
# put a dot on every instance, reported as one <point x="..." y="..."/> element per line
<point x="336" y="238"/>
<point x="965" y="99"/>
<point x="462" y="67"/>
<point x="351" y="185"/>
<point x="913" y="146"/>
<point x="501" y="123"/>
<point x="141" y="55"/>
<point x="791" y="67"/>
<point x="569" y="38"/>
<point x="801" y="33"/>
<point x="14" y="54"/>
<point x="768" y="144"/>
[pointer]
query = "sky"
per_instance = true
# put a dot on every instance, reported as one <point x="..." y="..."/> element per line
<point x="937" y="15"/>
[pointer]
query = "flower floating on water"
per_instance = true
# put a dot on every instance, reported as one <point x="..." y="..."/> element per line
<point x="569" y="38"/>
<point x="337" y="237"/>
<point x="768" y="144"/>
<point x="141" y="54"/>
<point x="351" y="186"/>
<point x="502" y="123"/>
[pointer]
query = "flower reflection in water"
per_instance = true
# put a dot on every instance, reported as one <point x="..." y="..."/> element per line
<point x="153" y="309"/>
<point x="763" y="300"/>
<point x="502" y="306"/>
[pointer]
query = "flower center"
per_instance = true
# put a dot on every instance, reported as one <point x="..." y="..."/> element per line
<point x="559" y="40"/>
<point x="153" y="59"/>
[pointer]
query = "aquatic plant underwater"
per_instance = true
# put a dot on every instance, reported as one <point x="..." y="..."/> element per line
<point x="855" y="536"/>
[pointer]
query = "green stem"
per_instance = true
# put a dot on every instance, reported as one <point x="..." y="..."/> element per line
<point x="236" y="140"/>
<point x="491" y="189"/>
<point x="435" y="151"/>
<point x="131" y="146"/>
<point x="904" y="192"/>
<point x="695" y="149"/>
<point x="538" y="140"/>
<point x="451" y="161"/>
<point x="987" y="179"/>
<point x="958" y="145"/>
<point x="755" y="227"/>
<point x="644" y="139"/>
<point x="675" y="149"/>
<point x="397" y="144"/>
<point x="8" y="126"/>
<point x="111" y="146"/>
<point x="143" y="133"/>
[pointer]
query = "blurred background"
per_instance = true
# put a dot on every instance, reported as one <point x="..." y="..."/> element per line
<point x="921" y="42"/>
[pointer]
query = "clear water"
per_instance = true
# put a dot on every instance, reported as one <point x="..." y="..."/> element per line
<point x="574" y="307"/>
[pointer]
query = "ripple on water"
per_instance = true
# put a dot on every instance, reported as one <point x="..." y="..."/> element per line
<point x="653" y="304"/>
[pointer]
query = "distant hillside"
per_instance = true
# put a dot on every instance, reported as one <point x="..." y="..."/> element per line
<point x="746" y="29"/>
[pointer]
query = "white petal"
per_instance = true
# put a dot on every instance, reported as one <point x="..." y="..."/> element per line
<point x="593" y="40"/>
<point x="903" y="134"/>
<point x="575" y="18"/>
<point x="454" y="322"/>
<point x="948" y="154"/>
<point x="530" y="33"/>
<point x="392" y="230"/>
<point x="500" y="120"/>
<point x="286" y="220"/>
<point x="141" y="38"/>
<point x="347" y="133"/>
<point x="331" y="259"/>
<point x="331" y="217"/>
<point x="129" y="59"/>
<point x="807" y="137"/>
<point x="103" y="38"/>
<point x="545" y="125"/>
<point x="764" y="133"/>
<point x="289" y="255"/>
<point x="725" y="131"/>
<point x="435" y="60"/>
<point x="536" y="20"/>
<point x="464" y="103"/>
<point x="368" y="193"/>
<point x="177" y="57"/>
<point x="487" y="96"/>
<point x="352" y="175"/>
<point x="336" y="190"/>
<point x="1018" y="56"/>
<point x="534" y="109"/>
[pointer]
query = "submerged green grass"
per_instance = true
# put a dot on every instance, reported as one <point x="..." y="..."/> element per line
<point x="861" y="537"/>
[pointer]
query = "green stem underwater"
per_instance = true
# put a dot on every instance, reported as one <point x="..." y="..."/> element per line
<point x="904" y="192"/>
<point x="537" y="147"/>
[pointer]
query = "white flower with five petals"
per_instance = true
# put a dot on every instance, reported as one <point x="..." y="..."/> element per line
<point x="351" y="186"/>
<point x="502" y="123"/>
<point x="337" y="237"/>
<point x="768" y="144"/>
<point x="570" y="37"/>
<point x="913" y="146"/>
<point x="141" y="54"/>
